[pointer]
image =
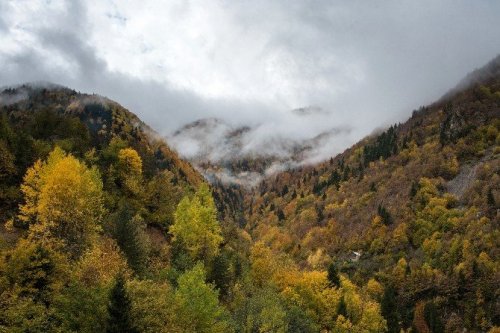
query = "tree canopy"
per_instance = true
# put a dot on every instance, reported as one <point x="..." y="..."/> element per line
<point x="63" y="202"/>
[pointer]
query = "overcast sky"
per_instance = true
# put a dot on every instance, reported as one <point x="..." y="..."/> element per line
<point x="362" y="64"/>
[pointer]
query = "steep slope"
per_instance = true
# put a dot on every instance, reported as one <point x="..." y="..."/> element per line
<point x="415" y="208"/>
<point x="100" y="222"/>
<point x="235" y="159"/>
<point x="36" y="117"/>
<point x="102" y="226"/>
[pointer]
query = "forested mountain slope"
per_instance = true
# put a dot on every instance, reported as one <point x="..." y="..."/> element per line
<point x="88" y="194"/>
<point x="414" y="208"/>
<point x="105" y="229"/>
<point x="35" y="118"/>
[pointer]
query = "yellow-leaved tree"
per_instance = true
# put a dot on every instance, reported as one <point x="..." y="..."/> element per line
<point x="196" y="226"/>
<point x="63" y="202"/>
<point x="129" y="172"/>
<point x="129" y="162"/>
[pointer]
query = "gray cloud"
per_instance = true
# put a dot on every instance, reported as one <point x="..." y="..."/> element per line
<point x="362" y="63"/>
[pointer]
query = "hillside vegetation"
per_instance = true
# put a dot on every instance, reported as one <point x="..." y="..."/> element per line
<point x="413" y="210"/>
<point x="105" y="229"/>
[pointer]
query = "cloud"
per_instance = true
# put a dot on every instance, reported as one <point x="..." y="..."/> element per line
<point x="362" y="63"/>
<point x="244" y="155"/>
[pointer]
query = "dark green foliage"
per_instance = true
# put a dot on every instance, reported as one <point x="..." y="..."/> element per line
<point x="280" y="214"/>
<point x="384" y="146"/>
<point x="361" y="169"/>
<point x="98" y="111"/>
<point x="333" y="275"/>
<point x="81" y="308"/>
<point x="284" y="191"/>
<point x="432" y="318"/>
<point x="181" y="260"/>
<point x="319" y="213"/>
<point x="389" y="308"/>
<point x="342" y="307"/>
<point x="119" y="308"/>
<point x="346" y="173"/>
<point x="453" y="127"/>
<point x="17" y="153"/>
<point x="334" y="179"/>
<point x="413" y="189"/>
<point x="299" y="321"/>
<point x="385" y="215"/>
<point x="9" y="193"/>
<point x="220" y="274"/>
<point x="68" y="132"/>
<point x="444" y="128"/>
<point x="36" y="275"/>
<point x="491" y="199"/>
<point x="128" y="230"/>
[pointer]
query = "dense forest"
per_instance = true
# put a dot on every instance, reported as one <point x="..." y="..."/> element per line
<point x="105" y="229"/>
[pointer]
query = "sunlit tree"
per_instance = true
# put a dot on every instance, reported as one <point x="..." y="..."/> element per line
<point x="63" y="202"/>
<point x="196" y="225"/>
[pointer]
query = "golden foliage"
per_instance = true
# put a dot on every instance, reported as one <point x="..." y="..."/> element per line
<point x="63" y="202"/>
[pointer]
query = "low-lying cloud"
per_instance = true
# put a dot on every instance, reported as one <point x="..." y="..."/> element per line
<point x="245" y="154"/>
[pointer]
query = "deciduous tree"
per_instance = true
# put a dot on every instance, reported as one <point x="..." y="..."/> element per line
<point x="196" y="225"/>
<point x="63" y="202"/>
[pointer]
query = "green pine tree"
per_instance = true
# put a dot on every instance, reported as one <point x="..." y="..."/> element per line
<point x="119" y="308"/>
<point x="129" y="232"/>
<point x="389" y="309"/>
<point x="220" y="274"/>
<point x="342" y="307"/>
<point x="333" y="275"/>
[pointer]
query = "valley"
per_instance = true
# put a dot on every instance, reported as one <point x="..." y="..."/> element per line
<point x="106" y="226"/>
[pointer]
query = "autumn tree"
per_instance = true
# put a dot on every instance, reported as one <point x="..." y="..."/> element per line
<point x="153" y="306"/>
<point x="262" y="311"/>
<point x="31" y="275"/>
<point x="33" y="270"/>
<point x="63" y="202"/>
<point x="197" y="303"/>
<point x="161" y="199"/>
<point x="100" y="264"/>
<point x="82" y="308"/>
<point x="129" y="162"/>
<point x="196" y="225"/>
<point x="129" y="168"/>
